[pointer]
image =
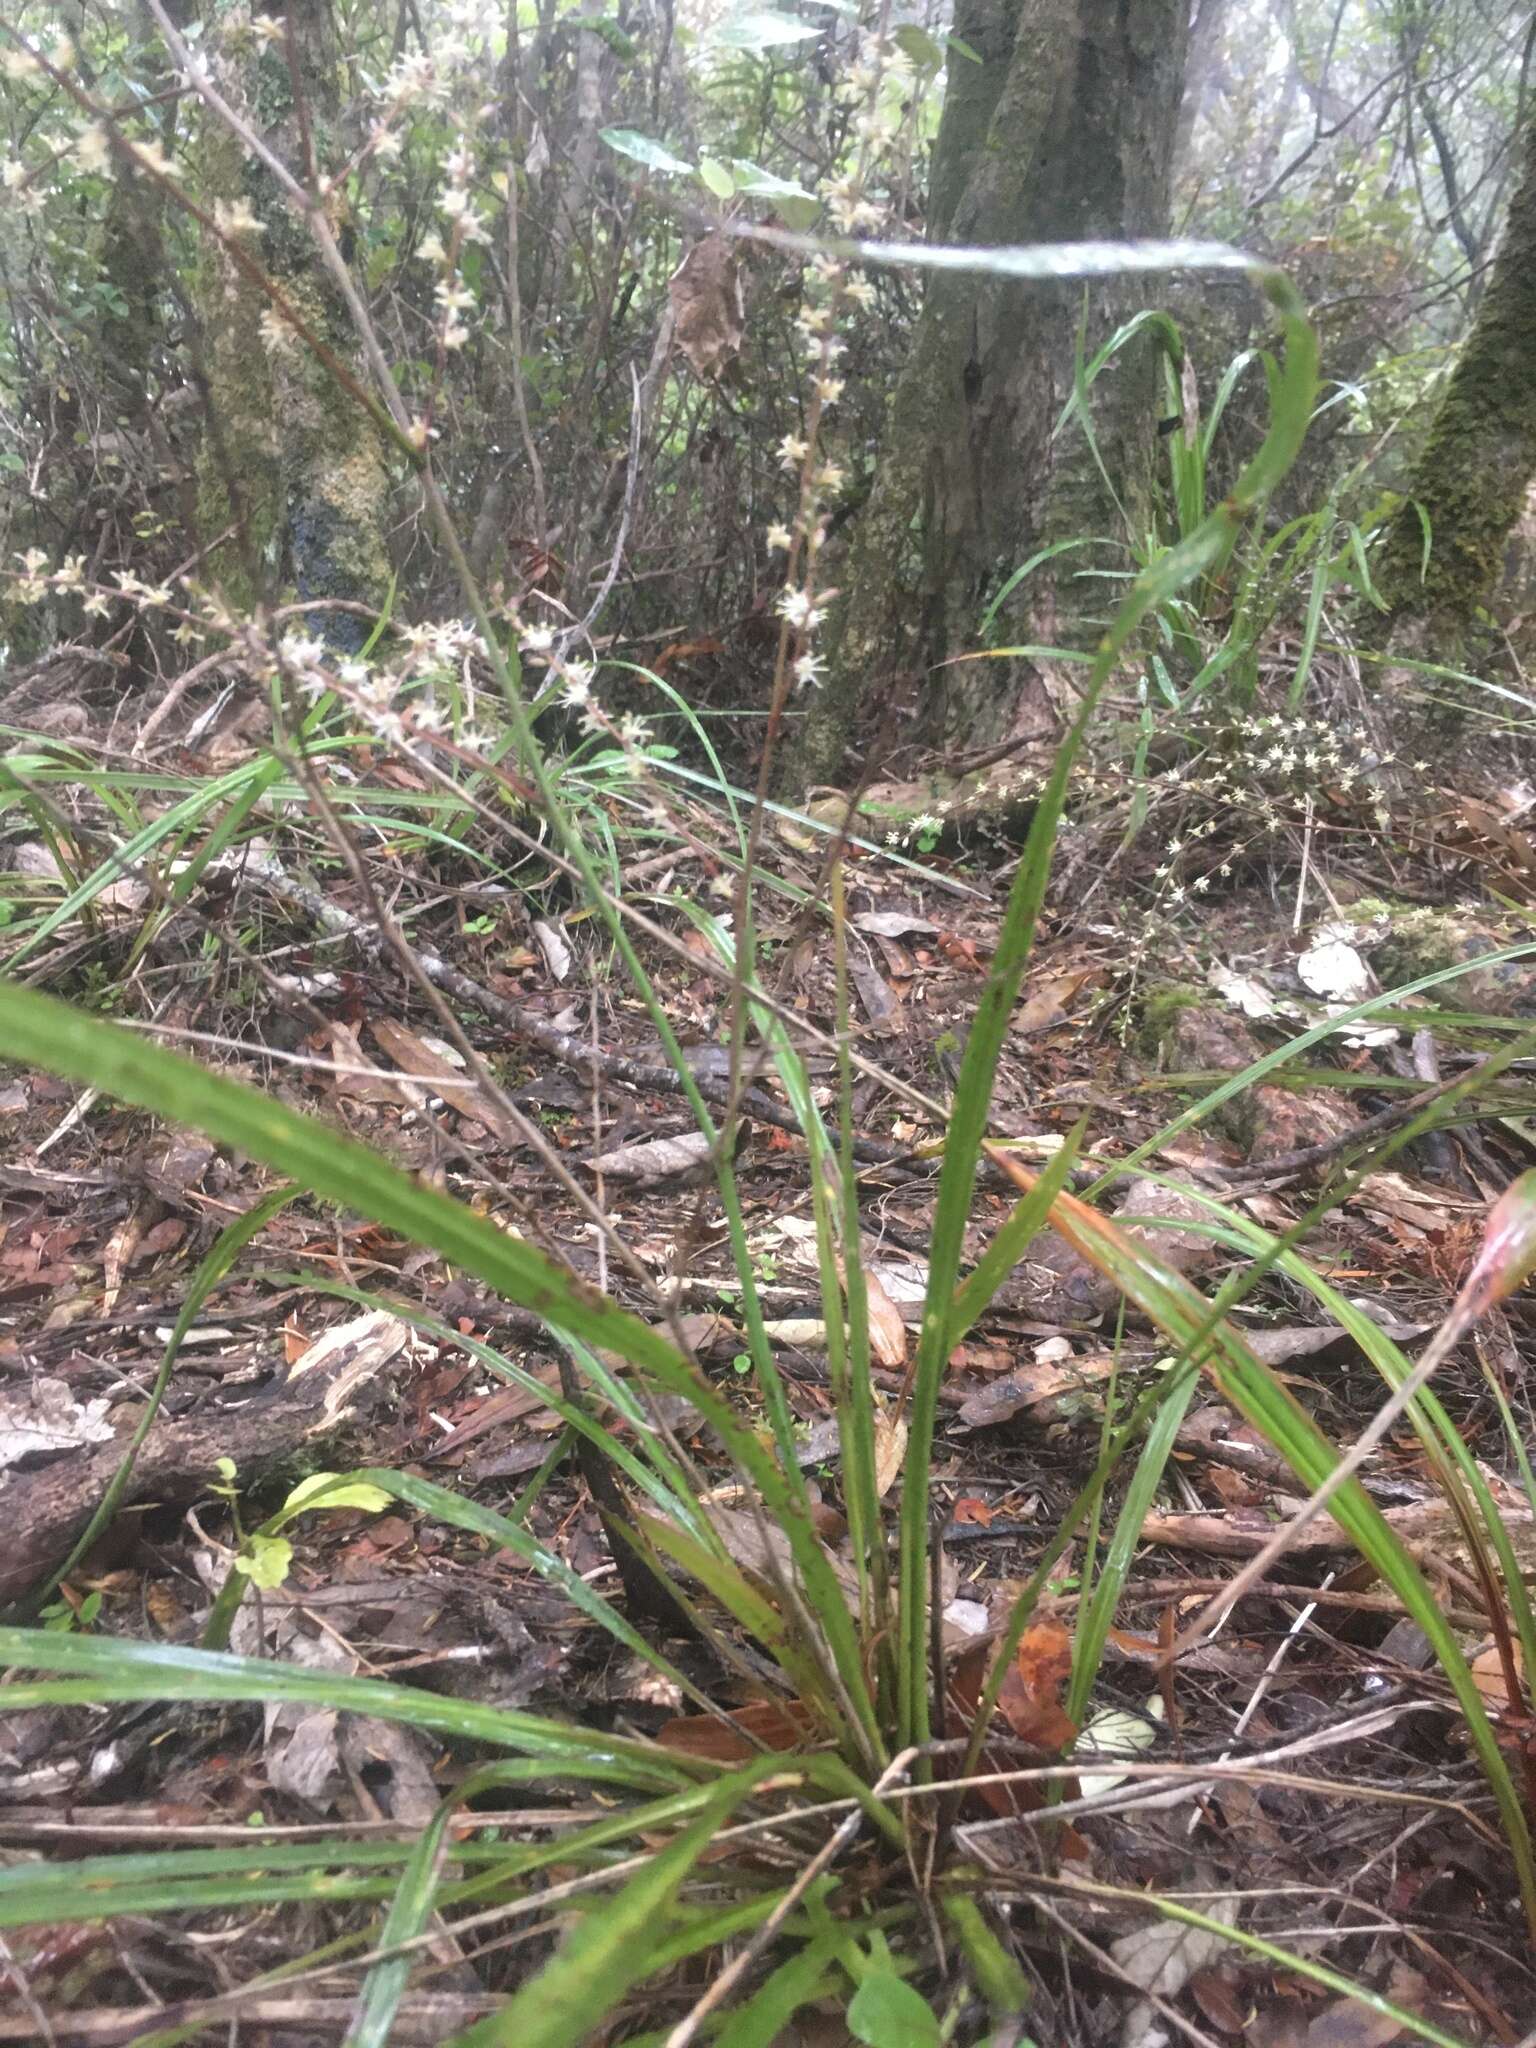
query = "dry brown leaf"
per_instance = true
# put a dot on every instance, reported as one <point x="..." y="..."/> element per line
<point x="708" y="312"/>
<point x="776" y="1724"/>
<point x="413" y="1055"/>
<point x="1044" y="1387"/>
<point x="887" y="1331"/>
<point x="1161" y="1957"/>
<point x="655" y="1159"/>
<point x="122" y="1249"/>
<point x="890" y="1449"/>
<point x="762" y="1548"/>
<point x="1029" y="1699"/>
<point x="1344" y="2023"/>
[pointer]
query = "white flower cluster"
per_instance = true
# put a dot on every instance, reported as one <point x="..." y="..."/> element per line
<point x="876" y="85"/>
<point x="631" y="733"/>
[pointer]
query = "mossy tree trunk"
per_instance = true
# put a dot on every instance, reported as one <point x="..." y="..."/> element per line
<point x="1063" y="132"/>
<point x="1470" y="483"/>
<point x="290" y="462"/>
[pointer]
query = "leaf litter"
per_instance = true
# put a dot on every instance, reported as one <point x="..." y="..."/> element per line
<point x="97" y="1248"/>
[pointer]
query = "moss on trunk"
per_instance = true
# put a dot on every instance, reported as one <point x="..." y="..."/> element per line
<point x="1472" y="478"/>
<point x="290" y="458"/>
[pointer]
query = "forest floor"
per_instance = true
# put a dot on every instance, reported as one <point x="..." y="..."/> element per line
<point x="1360" y="1830"/>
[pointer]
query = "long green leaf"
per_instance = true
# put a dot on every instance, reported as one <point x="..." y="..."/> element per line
<point x="98" y="1668"/>
<point x="1205" y="549"/>
<point x="610" y="1951"/>
<point x="42" y="1032"/>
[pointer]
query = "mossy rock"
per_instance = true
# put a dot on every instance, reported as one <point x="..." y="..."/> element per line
<point x="1182" y="1031"/>
<point x="1418" y="939"/>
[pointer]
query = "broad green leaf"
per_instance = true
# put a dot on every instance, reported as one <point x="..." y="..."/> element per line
<point x="926" y="55"/>
<point x="717" y="176"/>
<point x="886" y="2013"/>
<point x="332" y="1490"/>
<point x="654" y="155"/>
<point x="761" y="29"/>
<point x="761" y="184"/>
<point x="266" y="1560"/>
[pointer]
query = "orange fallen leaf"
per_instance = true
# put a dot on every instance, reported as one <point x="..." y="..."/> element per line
<point x="776" y="1724"/>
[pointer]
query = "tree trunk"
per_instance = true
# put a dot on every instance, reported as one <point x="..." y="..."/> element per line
<point x="289" y="460"/>
<point x="1470" y="483"/>
<point x="1064" y="132"/>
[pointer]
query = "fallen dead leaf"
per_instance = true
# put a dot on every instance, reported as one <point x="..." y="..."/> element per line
<point x="47" y="1417"/>
<point x="552" y="944"/>
<point x="890" y="1449"/>
<point x="1162" y="1957"/>
<point x="887" y="1331"/>
<point x="1345" y="2022"/>
<point x="655" y="1159"/>
<point x="892" y="924"/>
<point x="1029" y="1700"/>
<point x="776" y="1724"/>
<point x="708" y="310"/>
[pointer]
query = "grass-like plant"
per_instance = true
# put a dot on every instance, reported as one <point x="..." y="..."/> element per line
<point x="854" y="1666"/>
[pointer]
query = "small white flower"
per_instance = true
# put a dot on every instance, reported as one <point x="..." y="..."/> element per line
<point x="792" y="451"/>
<point x="266" y="28"/>
<point x="235" y="217"/>
<point x="152" y="157"/>
<point x="576" y="687"/>
<point x="302" y="651"/>
<point x="277" y="337"/>
<point x="780" y="538"/>
<point x="796" y="606"/>
<point x="808" y="670"/>
<point x="93" y="152"/>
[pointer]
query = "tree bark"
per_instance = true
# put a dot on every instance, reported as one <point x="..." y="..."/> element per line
<point x="1469" y="485"/>
<point x="1064" y="132"/>
<point x="289" y="459"/>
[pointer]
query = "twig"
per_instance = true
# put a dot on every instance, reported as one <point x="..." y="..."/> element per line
<point x="1332" y="1148"/>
